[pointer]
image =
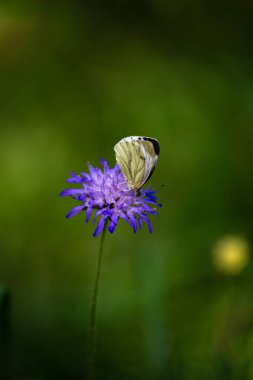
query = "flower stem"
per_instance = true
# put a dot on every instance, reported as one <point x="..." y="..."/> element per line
<point x="93" y="327"/>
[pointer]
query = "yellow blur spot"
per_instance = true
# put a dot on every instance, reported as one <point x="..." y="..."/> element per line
<point x="231" y="254"/>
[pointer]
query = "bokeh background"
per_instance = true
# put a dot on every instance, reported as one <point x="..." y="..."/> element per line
<point x="77" y="76"/>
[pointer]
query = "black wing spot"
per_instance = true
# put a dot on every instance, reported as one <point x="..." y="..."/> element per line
<point x="155" y="144"/>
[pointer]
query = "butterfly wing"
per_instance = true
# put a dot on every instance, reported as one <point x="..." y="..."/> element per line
<point x="150" y="157"/>
<point x="131" y="162"/>
<point x="137" y="158"/>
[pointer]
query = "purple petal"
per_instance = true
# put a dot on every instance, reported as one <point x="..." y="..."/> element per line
<point x="100" y="226"/>
<point x="75" y="211"/>
<point x="146" y="207"/>
<point x="147" y="221"/>
<point x="123" y="216"/>
<point x="75" y="178"/>
<point x="153" y="212"/>
<point x="81" y="197"/>
<point x="95" y="172"/>
<point x="133" y="222"/>
<point x="85" y="176"/>
<point x="112" y="227"/>
<point x="113" y="224"/>
<point x="103" y="213"/>
<point x="104" y="164"/>
<point x="149" y="190"/>
<point x="88" y="214"/>
<point x="71" y="192"/>
<point x="91" y="168"/>
<point x="151" y="201"/>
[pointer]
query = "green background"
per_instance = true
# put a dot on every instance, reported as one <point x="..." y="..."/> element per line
<point x="76" y="77"/>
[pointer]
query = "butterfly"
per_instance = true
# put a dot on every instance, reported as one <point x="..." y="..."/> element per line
<point x="137" y="157"/>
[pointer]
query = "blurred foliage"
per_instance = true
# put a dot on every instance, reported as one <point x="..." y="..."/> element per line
<point x="75" y="78"/>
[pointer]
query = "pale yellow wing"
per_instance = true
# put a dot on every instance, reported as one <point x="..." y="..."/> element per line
<point x="137" y="159"/>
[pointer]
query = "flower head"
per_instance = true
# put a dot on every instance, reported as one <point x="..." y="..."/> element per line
<point x="107" y="193"/>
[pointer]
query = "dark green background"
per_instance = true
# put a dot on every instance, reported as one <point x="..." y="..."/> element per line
<point x="75" y="77"/>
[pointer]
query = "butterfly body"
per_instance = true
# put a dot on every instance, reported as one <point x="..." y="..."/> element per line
<point x="137" y="157"/>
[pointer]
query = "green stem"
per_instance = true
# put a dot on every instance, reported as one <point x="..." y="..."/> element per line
<point x="93" y="327"/>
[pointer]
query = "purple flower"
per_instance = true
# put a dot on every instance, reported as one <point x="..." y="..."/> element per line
<point x="107" y="193"/>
